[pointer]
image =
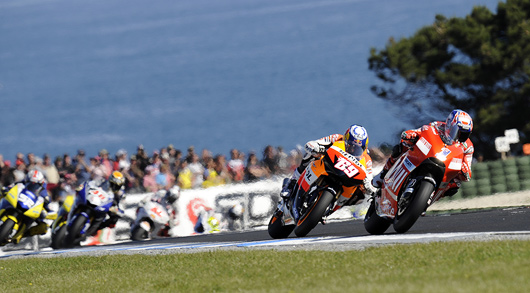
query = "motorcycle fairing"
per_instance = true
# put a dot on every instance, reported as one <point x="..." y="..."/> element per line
<point x="62" y="215"/>
<point x="445" y="161"/>
<point x="68" y="203"/>
<point x="102" y="201"/>
<point x="12" y="194"/>
<point x="337" y="163"/>
<point x="24" y="199"/>
<point x="35" y="211"/>
<point x="157" y="212"/>
<point x="146" y="225"/>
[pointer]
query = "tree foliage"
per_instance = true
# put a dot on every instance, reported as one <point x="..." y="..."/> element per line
<point x="479" y="63"/>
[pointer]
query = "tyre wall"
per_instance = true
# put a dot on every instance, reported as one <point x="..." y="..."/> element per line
<point x="510" y="175"/>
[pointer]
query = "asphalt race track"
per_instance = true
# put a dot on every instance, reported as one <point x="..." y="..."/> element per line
<point x="506" y="223"/>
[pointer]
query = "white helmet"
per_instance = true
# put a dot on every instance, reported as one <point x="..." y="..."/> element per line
<point x="173" y="194"/>
<point x="34" y="181"/>
<point x="35" y="176"/>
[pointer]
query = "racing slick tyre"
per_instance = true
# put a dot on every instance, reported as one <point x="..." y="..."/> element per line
<point x="6" y="229"/>
<point x="416" y="204"/>
<point x="58" y="238"/>
<point x="276" y="228"/>
<point x="373" y="223"/>
<point x="73" y="237"/>
<point x="314" y="214"/>
<point x="139" y="233"/>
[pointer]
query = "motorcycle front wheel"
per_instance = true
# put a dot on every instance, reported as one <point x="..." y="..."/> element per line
<point x="313" y="214"/>
<point x="73" y="237"/>
<point x="6" y="229"/>
<point x="276" y="228"/>
<point x="58" y="237"/>
<point x="373" y="223"/>
<point x="409" y="214"/>
<point x="139" y="233"/>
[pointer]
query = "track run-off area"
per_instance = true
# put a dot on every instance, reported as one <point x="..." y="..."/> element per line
<point x="488" y="224"/>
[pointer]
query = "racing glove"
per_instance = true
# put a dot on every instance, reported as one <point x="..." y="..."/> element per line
<point x="409" y="135"/>
<point x="465" y="172"/>
<point x="368" y="187"/>
<point x="117" y="211"/>
<point x="314" y="148"/>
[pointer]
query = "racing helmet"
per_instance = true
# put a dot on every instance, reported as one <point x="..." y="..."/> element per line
<point x="458" y="126"/>
<point x="116" y="181"/>
<point x="356" y="140"/>
<point x="173" y="194"/>
<point x="35" y="180"/>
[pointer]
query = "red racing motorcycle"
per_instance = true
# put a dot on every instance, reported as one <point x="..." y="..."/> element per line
<point x="418" y="179"/>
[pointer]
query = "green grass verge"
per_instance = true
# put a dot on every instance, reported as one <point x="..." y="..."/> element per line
<point x="493" y="266"/>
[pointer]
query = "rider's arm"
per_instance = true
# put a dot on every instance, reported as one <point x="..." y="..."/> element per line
<point x="44" y="194"/>
<point x="367" y="182"/>
<point x="320" y="145"/>
<point x="465" y="173"/>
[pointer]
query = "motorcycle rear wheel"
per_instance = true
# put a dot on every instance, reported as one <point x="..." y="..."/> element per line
<point x="6" y="229"/>
<point x="310" y="219"/>
<point x="276" y="228"/>
<point x="73" y="237"/>
<point x="373" y="223"/>
<point x="417" y="205"/>
<point x="139" y="233"/>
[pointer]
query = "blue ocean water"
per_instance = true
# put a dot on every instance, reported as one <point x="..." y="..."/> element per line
<point x="214" y="74"/>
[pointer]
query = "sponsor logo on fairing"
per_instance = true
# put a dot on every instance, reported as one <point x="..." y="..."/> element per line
<point x="408" y="164"/>
<point x="386" y="207"/>
<point x="424" y="145"/>
<point x="350" y="158"/>
<point x="456" y="164"/>
<point x="442" y="155"/>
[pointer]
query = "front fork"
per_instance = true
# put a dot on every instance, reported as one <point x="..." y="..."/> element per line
<point x="284" y="209"/>
<point x="412" y="185"/>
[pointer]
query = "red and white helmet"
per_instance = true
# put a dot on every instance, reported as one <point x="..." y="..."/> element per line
<point x="35" y="176"/>
<point x="458" y="126"/>
<point x="35" y="181"/>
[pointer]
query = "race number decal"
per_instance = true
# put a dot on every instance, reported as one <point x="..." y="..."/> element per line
<point x="26" y="200"/>
<point x="156" y="211"/>
<point x="346" y="167"/>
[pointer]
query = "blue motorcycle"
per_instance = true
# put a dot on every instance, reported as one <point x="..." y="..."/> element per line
<point x="90" y="209"/>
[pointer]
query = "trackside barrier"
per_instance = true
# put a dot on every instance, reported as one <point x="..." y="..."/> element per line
<point x="510" y="175"/>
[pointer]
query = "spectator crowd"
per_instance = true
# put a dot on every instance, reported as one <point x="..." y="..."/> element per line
<point x="163" y="169"/>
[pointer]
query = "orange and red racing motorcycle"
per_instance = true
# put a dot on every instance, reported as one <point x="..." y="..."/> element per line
<point x="419" y="178"/>
<point x="327" y="184"/>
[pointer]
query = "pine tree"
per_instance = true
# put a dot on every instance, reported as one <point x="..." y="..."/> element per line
<point x="479" y="63"/>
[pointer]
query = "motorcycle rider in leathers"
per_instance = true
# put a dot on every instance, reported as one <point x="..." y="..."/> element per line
<point x="356" y="143"/>
<point x="116" y="186"/>
<point x="36" y="182"/>
<point x="455" y="130"/>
